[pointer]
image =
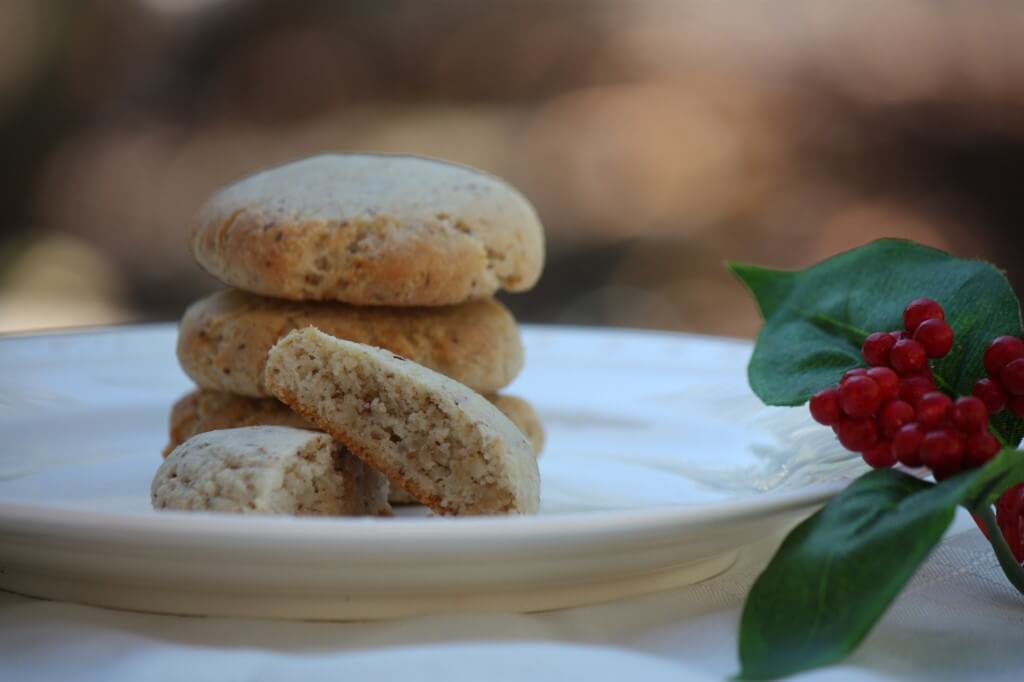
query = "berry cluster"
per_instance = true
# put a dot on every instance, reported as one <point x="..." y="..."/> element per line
<point x="894" y="411"/>
<point x="1010" y="517"/>
<point x="1004" y="387"/>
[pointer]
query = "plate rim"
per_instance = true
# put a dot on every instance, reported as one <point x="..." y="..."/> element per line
<point x="57" y="520"/>
<point x="532" y="327"/>
<point x="254" y="529"/>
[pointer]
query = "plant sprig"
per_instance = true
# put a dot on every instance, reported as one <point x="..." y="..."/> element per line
<point x="837" y="572"/>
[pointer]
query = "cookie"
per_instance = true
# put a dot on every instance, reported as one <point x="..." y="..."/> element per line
<point x="203" y="410"/>
<point x="224" y="338"/>
<point x="521" y="413"/>
<point x="371" y="230"/>
<point x="444" y="444"/>
<point x="268" y="470"/>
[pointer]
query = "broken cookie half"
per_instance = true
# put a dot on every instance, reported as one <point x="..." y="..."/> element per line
<point x="446" y="445"/>
<point x="268" y="470"/>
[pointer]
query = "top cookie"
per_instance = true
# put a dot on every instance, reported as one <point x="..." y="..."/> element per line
<point x="371" y="230"/>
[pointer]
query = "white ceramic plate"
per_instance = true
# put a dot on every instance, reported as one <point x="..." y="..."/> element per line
<point x="659" y="465"/>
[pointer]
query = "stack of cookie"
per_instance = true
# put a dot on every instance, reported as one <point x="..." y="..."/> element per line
<point x="395" y="252"/>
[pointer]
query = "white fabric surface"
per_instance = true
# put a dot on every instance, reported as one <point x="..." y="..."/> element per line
<point x="958" y="620"/>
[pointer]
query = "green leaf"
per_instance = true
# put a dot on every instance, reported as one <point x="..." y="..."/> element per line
<point x="771" y="287"/>
<point x="816" y="319"/>
<point x="837" y="572"/>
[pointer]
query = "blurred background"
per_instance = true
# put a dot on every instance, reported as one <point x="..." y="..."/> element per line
<point x="656" y="138"/>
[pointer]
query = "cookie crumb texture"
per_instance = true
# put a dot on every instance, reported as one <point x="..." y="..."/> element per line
<point x="371" y="230"/>
<point x="268" y="470"/>
<point x="224" y="338"/>
<point x="446" y="445"/>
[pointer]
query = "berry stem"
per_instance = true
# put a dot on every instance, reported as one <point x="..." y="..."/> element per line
<point x="1013" y="570"/>
<point x="857" y="336"/>
<point x="854" y="334"/>
<point x="943" y="385"/>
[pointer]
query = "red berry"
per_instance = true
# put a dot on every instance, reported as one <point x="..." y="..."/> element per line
<point x="981" y="447"/>
<point x="1016" y="405"/>
<point x="893" y="416"/>
<point x="992" y="394"/>
<point x="835" y="427"/>
<point x="876" y="349"/>
<point x="1012" y="377"/>
<point x="855" y="372"/>
<point x="860" y="396"/>
<point x="906" y="445"/>
<point x="913" y="387"/>
<point x="942" y="451"/>
<point x="1002" y="351"/>
<point x="888" y="382"/>
<point x="970" y="414"/>
<point x="825" y="406"/>
<point x="919" y="310"/>
<point x="936" y="336"/>
<point x="1010" y="517"/>
<point x="857" y="433"/>
<point x="908" y="356"/>
<point x="932" y="409"/>
<point x="980" y="524"/>
<point x="880" y="455"/>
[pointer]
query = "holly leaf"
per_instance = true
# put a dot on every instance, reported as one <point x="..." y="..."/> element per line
<point x="837" y="572"/>
<point x="816" y="319"/>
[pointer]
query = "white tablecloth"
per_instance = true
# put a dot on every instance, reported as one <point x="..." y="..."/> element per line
<point x="957" y="620"/>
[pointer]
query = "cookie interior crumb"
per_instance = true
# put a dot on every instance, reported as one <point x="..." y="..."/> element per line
<point x="444" y="444"/>
<point x="268" y="470"/>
